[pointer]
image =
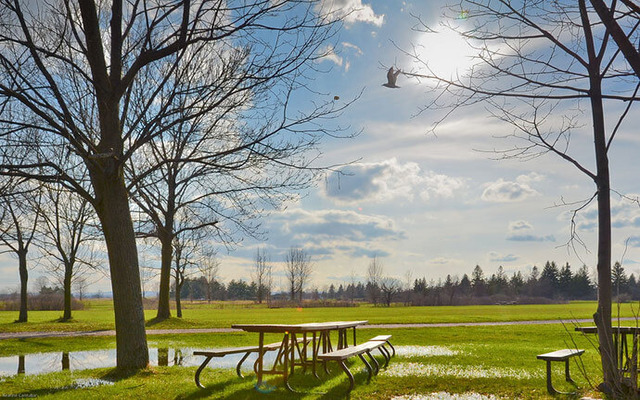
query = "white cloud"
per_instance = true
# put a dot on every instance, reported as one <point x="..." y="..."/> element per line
<point x="352" y="47"/>
<point x="503" y="191"/>
<point x="331" y="55"/>
<point x="351" y="11"/>
<point x="387" y="180"/>
<point x="522" y="231"/>
<point x="326" y="232"/>
<point x="499" y="257"/>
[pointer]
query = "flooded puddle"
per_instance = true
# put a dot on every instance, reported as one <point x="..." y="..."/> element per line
<point x="41" y="363"/>
<point x="400" y="369"/>
<point x="447" y="396"/>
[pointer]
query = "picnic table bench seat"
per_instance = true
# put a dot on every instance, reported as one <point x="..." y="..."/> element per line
<point x="342" y="355"/>
<point x="559" y="355"/>
<point x="209" y="354"/>
<point x="386" y="339"/>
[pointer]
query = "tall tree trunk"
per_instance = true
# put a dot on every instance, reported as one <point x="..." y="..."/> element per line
<point x="114" y="213"/>
<point x="164" y="305"/>
<point x="24" y="277"/>
<point x="602" y="317"/>
<point x="67" y="292"/>
<point x="178" y="304"/>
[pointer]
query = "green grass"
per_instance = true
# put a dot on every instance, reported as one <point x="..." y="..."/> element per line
<point x="503" y="350"/>
<point x="99" y="315"/>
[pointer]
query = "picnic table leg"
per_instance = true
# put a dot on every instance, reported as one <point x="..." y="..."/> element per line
<point x="288" y="353"/>
<point x="240" y="364"/>
<point x="204" y="364"/>
<point x="375" y="363"/>
<point x="392" y="348"/>
<point x="314" y="354"/>
<point x="386" y="355"/>
<point x="326" y="347"/>
<point x="354" y="335"/>
<point x="369" y="367"/>
<point x="352" y="381"/>
<point x="260" y="361"/>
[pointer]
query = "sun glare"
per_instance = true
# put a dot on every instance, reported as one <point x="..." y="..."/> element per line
<point x="446" y="53"/>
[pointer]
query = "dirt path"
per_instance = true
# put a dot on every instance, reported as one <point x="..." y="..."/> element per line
<point x="31" y="335"/>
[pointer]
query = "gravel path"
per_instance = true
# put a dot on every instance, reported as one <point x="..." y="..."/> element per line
<point x="30" y="335"/>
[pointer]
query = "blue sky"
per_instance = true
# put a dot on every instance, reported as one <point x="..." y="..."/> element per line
<point x="429" y="205"/>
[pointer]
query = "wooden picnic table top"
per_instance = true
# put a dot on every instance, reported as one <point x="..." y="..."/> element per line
<point x="618" y="329"/>
<point x="299" y="328"/>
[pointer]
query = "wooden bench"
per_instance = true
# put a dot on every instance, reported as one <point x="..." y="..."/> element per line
<point x="342" y="355"/>
<point x="559" y="355"/>
<point x="231" y="350"/>
<point x="385" y="338"/>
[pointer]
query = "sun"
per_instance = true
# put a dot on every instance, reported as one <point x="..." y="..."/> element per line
<point x="445" y="52"/>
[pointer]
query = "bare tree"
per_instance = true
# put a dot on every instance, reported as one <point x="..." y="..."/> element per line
<point x="219" y="160"/>
<point x="374" y="279"/>
<point x="81" y="284"/>
<point x="185" y="249"/>
<point x="87" y="78"/>
<point x="209" y="267"/>
<point x="19" y="219"/>
<point x="263" y="275"/>
<point x="389" y="287"/>
<point x="298" y="269"/>
<point x="612" y="18"/>
<point x="66" y="239"/>
<point x="533" y="58"/>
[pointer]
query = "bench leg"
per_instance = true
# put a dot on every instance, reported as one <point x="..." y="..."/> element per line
<point x="375" y="363"/>
<point x="204" y="364"/>
<point x="369" y="367"/>
<point x="386" y="355"/>
<point x="392" y="348"/>
<point x="550" y="387"/>
<point x="240" y="364"/>
<point x="566" y="372"/>
<point x="352" y="381"/>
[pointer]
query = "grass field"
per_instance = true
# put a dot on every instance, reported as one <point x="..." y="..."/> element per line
<point x="483" y="360"/>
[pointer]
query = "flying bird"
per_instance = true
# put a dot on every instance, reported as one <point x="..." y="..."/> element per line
<point x="392" y="77"/>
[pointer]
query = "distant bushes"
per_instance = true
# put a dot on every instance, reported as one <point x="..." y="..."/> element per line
<point x="53" y="301"/>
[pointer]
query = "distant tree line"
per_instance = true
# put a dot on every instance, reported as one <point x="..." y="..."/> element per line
<point x="553" y="283"/>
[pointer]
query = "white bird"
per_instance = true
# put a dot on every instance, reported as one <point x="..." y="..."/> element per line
<point x="392" y="77"/>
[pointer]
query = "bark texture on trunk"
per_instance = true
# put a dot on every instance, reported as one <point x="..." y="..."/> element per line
<point x="115" y="216"/>
<point x="164" y="305"/>
<point x="67" y="293"/>
<point x="24" y="277"/>
<point x="602" y="317"/>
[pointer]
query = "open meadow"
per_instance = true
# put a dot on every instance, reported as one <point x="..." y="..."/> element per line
<point x="480" y="361"/>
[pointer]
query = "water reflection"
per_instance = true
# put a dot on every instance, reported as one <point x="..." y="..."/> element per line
<point x="40" y="363"/>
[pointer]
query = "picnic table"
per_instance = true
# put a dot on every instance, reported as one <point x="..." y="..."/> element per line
<point x="621" y="344"/>
<point x="294" y="347"/>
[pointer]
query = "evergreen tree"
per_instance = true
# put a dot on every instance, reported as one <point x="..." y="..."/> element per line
<point x="465" y="286"/>
<point x="564" y="281"/>
<point x="581" y="286"/>
<point x="516" y="283"/>
<point x="619" y="279"/>
<point x="478" y="282"/>
<point x="549" y="280"/>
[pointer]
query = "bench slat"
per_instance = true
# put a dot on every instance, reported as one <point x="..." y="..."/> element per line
<point x="560" y="355"/>
<point x="236" y="350"/>
<point x="347" y="352"/>
<point x="383" y="338"/>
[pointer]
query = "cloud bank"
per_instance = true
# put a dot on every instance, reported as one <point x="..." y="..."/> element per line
<point x="388" y="180"/>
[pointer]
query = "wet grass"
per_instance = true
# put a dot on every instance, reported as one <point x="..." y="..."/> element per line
<point x="489" y="360"/>
<point x="99" y="315"/>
